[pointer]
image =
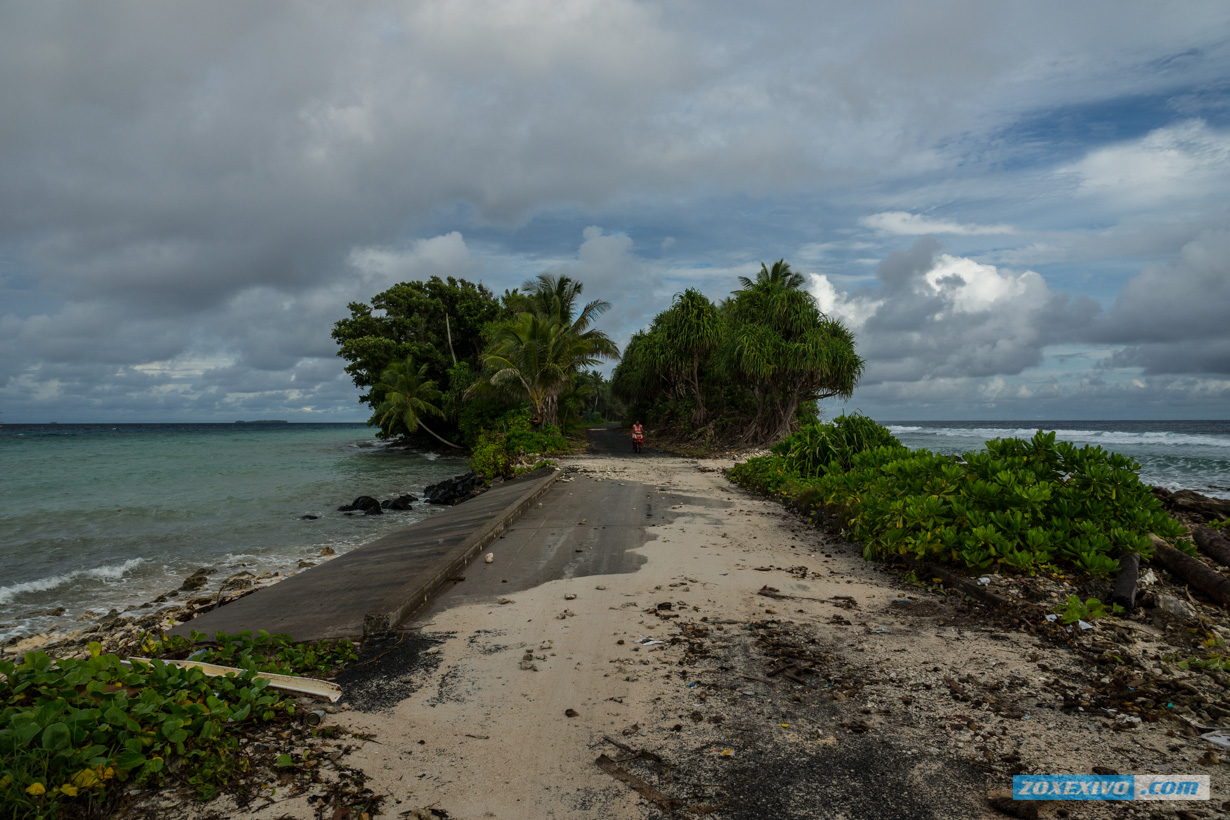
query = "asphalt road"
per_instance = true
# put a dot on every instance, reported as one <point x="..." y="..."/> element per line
<point x="582" y="526"/>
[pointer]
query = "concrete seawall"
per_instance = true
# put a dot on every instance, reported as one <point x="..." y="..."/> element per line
<point x="371" y="589"/>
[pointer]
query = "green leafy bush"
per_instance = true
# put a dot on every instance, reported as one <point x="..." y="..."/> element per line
<point x="70" y="730"/>
<point x="820" y="446"/>
<point x="498" y="450"/>
<point x="1074" y="609"/>
<point x="1021" y="504"/>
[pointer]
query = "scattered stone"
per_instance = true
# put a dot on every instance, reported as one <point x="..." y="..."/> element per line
<point x="326" y="551"/>
<point x="570" y="596"/>
<point x="197" y="579"/>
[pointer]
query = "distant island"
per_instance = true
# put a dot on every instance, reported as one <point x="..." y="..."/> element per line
<point x="264" y="421"/>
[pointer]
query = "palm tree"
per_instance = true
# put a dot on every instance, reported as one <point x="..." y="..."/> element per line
<point x="406" y="397"/>
<point x="779" y="276"/>
<point x="537" y="354"/>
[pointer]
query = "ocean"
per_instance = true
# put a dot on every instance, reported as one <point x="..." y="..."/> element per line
<point x="1177" y="455"/>
<point x="108" y="516"/>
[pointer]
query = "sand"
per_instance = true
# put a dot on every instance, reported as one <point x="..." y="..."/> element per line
<point x="752" y="666"/>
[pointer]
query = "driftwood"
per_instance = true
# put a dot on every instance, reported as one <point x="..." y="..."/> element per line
<point x="1125" y="582"/>
<point x="1213" y="544"/>
<point x="647" y="791"/>
<point x="1192" y="570"/>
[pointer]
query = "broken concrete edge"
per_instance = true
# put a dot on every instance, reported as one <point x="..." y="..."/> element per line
<point x="400" y="606"/>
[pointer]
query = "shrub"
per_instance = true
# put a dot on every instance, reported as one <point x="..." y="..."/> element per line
<point x="499" y="450"/>
<point x="1021" y="504"/>
<point x="819" y="446"/>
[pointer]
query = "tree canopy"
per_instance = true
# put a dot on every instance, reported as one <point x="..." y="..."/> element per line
<point x="750" y="367"/>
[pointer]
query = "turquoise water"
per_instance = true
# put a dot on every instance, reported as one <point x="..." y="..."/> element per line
<point x="95" y="517"/>
<point x="1177" y="455"/>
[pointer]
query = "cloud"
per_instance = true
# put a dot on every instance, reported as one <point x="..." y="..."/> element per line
<point x="936" y="316"/>
<point x="1172" y="318"/>
<point x="902" y="223"/>
<point x="190" y="195"/>
<point x="1179" y="163"/>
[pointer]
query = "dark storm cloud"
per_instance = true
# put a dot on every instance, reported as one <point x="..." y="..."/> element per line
<point x="190" y="194"/>
<point x="1173" y="318"/>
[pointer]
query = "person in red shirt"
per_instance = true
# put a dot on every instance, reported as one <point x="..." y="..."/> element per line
<point x="638" y="436"/>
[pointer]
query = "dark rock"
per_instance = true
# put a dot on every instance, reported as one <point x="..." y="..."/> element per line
<point x="402" y="502"/>
<point x="308" y="517"/>
<point x="364" y="504"/>
<point x="240" y="580"/>
<point x="451" y="490"/>
<point x="197" y="579"/>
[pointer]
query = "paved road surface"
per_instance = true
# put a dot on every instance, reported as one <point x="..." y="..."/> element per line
<point x="581" y="526"/>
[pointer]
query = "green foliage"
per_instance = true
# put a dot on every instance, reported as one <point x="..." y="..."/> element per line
<point x="538" y="354"/>
<point x="820" y="446"/>
<point x="499" y="450"/>
<point x="1025" y="505"/>
<point x="406" y="396"/>
<point x="260" y="652"/>
<point x="70" y="730"/>
<point x="1074" y="609"/>
<point x="753" y="366"/>
<point x="417" y="319"/>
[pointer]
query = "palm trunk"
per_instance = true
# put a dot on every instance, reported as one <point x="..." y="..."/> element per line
<point x="433" y="433"/>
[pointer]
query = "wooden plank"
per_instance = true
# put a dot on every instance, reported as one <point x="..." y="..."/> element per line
<point x="286" y="683"/>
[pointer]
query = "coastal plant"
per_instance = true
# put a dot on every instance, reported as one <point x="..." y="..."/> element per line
<point x="260" y="652"/>
<point x="820" y="446"/>
<point x="1026" y="505"/>
<point x="1074" y="609"/>
<point x="71" y="730"/>
<point x="500" y="450"/>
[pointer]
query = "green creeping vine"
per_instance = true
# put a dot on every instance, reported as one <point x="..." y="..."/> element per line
<point x="72" y="729"/>
<point x="1074" y="609"/>
<point x="1024" y="505"/>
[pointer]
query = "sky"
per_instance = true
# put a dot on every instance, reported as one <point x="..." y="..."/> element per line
<point x="1021" y="209"/>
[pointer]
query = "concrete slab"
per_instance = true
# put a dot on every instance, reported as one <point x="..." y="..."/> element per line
<point x="373" y="588"/>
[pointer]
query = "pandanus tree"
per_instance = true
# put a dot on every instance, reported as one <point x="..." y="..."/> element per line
<point x="786" y="349"/>
<point x="406" y="395"/>
<point x="689" y="332"/>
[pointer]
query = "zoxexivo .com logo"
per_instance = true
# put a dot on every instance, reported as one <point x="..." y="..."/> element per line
<point x="1110" y="787"/>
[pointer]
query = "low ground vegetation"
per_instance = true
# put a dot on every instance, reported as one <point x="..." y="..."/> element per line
<point x="1025" y="506"/>
<point x="75" y="732"/>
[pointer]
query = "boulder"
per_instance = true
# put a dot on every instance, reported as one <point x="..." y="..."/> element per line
<point x="364" y="504"/>
<point x="402" y="502"/>
<point x="197" y="579"/>
<point x="451" y="490"/>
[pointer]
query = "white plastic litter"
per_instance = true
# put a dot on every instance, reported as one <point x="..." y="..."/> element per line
<point x="1221" y="738"/>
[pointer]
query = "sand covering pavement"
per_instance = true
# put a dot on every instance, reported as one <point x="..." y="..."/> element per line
<point x="751" y="667"/>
